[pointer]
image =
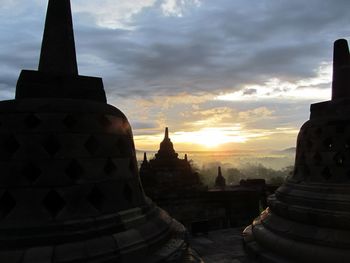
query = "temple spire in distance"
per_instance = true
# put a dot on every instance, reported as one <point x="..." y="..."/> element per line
<point x="220" y="180"/>
<point x="58" y="48"/>
<point x="166" y="135"/>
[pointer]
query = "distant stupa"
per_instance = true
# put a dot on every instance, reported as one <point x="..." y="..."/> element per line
<point x="308" y="219"/>
<point x="69" y="184"/>
<point x="220" y="181"/>
<point x="166" y="172"/>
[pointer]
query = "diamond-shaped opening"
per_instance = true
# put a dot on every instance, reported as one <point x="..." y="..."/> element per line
<point x="32" y="121"/>
<point x="104" y="121"/>
<point x="326" y="173"/>
<point x="74" y="170"/>
<point x="7" y="203"/>
<point x="51" y="145"/>
<point x="328" y="143"/>
<point x="70" y="121"/>
<point x="96" y="198"/>
<point x="339" y="159"/>
<point x="92" y="145"/>
<point x="110" y="167"/>
<point x="10" y="144"/>
<point x="54" y="203"/>
<point x="31" y="171"/>
<point x="127" y="193"/>
<point x="317" y="158"/>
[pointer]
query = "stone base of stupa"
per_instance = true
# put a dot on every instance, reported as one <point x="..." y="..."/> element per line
<point x="275" y="239"/>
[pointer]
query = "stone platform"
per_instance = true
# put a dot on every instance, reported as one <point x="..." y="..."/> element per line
<point x="221" y="246"/>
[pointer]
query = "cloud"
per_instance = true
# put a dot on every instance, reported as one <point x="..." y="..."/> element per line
<point x="109" y="13"/>
<point x="177" y="7"/>
<point x="164" y="61"/>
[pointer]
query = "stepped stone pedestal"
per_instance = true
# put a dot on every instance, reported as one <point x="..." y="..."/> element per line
<point x="308" y="219"/>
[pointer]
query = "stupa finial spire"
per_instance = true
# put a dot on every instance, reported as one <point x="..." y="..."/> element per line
<point x="341" y="70"/>
<point x="219" y="172"/>
<point x="166" y="135"/>
<point x="58" y="47"/>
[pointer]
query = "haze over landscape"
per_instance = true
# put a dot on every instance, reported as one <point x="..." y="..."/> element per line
<point x="222" y="75"/>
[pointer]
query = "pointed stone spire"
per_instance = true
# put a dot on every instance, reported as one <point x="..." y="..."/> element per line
<point x="57" y="76"/>
<point x="166" y="149"/>
<point x="220" y="180"/>
<point x="166" y="136"/>
<point x="341" y="70"/>
<point x="145" y="166"/>
<point x="58" y="48"/>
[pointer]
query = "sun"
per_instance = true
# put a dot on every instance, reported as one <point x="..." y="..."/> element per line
<point x="210" y="137"/>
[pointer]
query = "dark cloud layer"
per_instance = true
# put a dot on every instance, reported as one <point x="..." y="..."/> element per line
<point x="218" y="46"/>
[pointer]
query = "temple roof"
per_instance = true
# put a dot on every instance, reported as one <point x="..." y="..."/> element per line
<point x="166" y="149"/>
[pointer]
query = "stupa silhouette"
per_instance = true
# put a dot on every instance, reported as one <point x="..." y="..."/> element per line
<point x="69" y="184"/>
<point x="308" y="219"/>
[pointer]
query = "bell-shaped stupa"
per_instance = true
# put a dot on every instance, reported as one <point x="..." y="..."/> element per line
<point x="69" y="184"/>
<point x="308" y="219"/>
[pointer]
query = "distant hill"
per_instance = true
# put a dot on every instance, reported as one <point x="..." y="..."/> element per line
<point x="290" y="150"/>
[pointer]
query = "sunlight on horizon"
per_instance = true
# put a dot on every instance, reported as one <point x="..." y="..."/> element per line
<point x="211" y="137"/>
<point x="220" y="139"/>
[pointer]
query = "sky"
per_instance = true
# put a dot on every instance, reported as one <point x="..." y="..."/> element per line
<point x="222" y="75"/>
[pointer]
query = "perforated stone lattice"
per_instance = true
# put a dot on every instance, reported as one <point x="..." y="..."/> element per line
<point x="110" y="167"/>
<point x="51" y="145"/>
<point x="95" y="198"/>
<point x="74" y="170"/>
<point x="54" y="203"/>
<point x="92" y="145"/>
<point x="10" y="144"/>
<point x="322" y="148"/>
<point x="70" y="121"/>
<point x="31" y="171"/>
<point x="7" y="203"/>
<point x="92" y="157"/>
<point x="32" y="121"/>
